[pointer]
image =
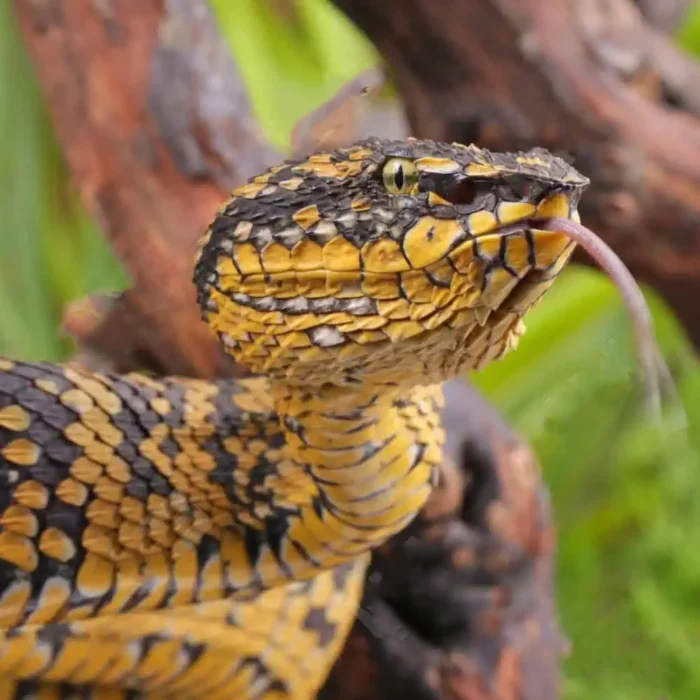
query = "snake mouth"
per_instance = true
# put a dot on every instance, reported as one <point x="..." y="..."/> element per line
<point x="515" y="263"/>
<point x="518" y="248"/>
<point x="538" y="223"/>
<point x="548" y="246"/>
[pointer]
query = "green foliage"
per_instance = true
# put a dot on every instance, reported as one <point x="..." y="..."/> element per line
<point x="50" y="252"/>
<point x="689" y="33"/>
<point x="296" y="64"/>
<point x="623" y="490"/>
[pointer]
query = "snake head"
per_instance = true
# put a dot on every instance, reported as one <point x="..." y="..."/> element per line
<point x="387" y="261"/>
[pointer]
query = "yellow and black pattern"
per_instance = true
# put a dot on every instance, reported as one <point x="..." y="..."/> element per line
<point x="218" y="649"/>
<point x="318" y="265"/>
<point x="182" y="538"/>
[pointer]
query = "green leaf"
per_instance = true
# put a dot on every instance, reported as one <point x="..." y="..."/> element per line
<point x="50" y="253"/>
<point x="290" y="68"/>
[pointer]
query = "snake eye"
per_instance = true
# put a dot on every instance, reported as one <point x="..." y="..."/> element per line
<point x="400" y="176"/>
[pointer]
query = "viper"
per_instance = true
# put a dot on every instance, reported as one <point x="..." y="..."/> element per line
<point x="180" y="538"/>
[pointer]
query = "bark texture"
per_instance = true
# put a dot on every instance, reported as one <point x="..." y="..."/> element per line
<point x="588" y="78"/>
<point x="156" y="127"/>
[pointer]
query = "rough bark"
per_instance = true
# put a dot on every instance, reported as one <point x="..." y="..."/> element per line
<point x="155" y="126"/>
<point x="152" y="149"/>
<point x="584" y="77"/>
<point x="664" y="15"/>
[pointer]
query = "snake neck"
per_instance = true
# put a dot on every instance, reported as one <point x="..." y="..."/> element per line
<point x="371" y="454"/>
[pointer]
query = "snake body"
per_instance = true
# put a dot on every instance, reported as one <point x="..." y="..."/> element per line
<point x="181" y="538"/>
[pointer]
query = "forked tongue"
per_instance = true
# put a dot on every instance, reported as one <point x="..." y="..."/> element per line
<point x="656" y="377"/>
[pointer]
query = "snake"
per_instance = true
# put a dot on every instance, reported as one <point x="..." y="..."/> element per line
<point x="172" y="537"/>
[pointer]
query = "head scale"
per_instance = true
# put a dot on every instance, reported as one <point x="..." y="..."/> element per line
<point x="387" y="261"/>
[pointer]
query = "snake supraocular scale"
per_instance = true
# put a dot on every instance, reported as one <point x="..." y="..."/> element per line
<point x="184" y="538"/>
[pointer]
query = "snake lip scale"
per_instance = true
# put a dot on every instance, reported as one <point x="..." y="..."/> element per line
<point x="183" y="538"/>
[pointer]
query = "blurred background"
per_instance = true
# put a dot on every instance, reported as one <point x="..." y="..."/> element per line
<point x="625" y="495"/>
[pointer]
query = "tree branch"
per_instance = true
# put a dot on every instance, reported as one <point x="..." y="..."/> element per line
<point x="155" y="126"/>
<point x="579" y="76"/>
<point x="664" y="15"/>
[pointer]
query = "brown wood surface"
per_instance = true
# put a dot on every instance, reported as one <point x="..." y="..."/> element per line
<point x="130" y="87"/>
<point x="664" y="15"/>
<point x="584" y="77"/>
<point x="459" y="607"/>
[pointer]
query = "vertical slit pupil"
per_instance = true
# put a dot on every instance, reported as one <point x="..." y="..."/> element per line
<point x="398" y="177"/>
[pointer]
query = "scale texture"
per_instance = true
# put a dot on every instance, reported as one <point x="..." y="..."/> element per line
<point x="177" y="538"/>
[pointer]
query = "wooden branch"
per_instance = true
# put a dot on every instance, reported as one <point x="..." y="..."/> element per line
<point x="155" y="126"/>
<point x="664" y="15"/>
<point x="578" y="76"/>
